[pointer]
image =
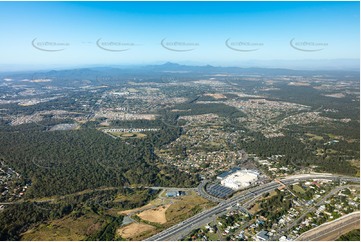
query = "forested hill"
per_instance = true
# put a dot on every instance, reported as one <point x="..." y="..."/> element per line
<point x="63" y="162"/>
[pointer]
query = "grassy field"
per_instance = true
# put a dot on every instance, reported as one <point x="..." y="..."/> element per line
<point x="298" y="189"/>
<point x="332" y="136"/>
<point x="162" y="200"/>
<point x="255" y="208"/>
<point x="153" y="217"/>
<point x="185" y="207"/>
<point x="127" y="135"/>
<point x="314" y="136"/>
<point x="136" y="196"/>
<point x="67" y="228"/>
<point x="168" y="211"/>
<point x="124" y="135"/>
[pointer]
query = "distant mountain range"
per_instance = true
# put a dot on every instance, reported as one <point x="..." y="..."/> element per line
<point x="166" y="69"/>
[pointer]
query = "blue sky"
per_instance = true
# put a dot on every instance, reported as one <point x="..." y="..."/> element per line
<point x="260" y="32"/>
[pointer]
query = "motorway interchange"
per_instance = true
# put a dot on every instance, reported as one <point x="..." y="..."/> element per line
<point x="180" y="230"/>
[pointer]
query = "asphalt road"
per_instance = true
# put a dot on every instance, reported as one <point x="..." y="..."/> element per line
<point x="332" y="230"/>
<point x="201" y="191"/>
<point x="180" y="230"/>
<point x="54" y="199"/>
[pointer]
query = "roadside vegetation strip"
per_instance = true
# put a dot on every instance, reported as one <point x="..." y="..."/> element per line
<point x="56" y="198"/>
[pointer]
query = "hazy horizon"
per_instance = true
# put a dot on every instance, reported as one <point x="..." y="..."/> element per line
<point x="307" y="65"/>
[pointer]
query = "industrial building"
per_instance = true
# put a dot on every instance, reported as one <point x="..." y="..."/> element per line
<point x="227" y="173"/>
<point x="175" y="193"/>
<point x="262" y="235"/>
<point x="240" y="179"/>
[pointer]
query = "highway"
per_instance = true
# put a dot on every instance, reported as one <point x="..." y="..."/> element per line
<point x="334" y="229"/>
<point x="180" y="230"/>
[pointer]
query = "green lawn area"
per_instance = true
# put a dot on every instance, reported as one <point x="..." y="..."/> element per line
<point x="298" y="189"/>
<point x="127" y="135"/>
<point x="212" y="236"/>
<point x="314" y="136"/>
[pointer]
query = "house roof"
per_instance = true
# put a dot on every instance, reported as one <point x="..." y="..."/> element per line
<point x="172" y="193"/>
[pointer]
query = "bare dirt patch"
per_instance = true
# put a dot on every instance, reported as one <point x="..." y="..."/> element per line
<point x="335" y="95"/>
<point x="215" y="95"/>
<point x="156" y="215"/>
<point x="133" y="230"/>
<point x="299" y="84"/>
<point x="130" y="211"/>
